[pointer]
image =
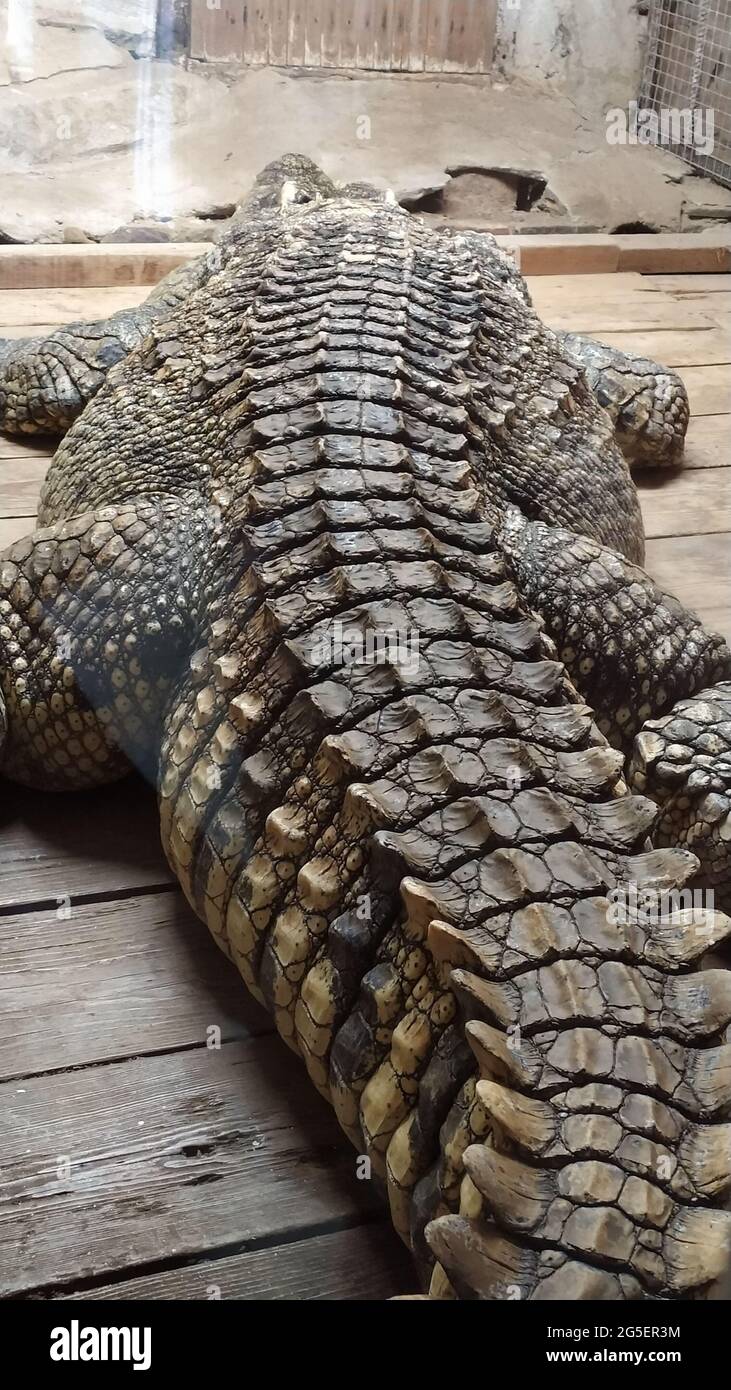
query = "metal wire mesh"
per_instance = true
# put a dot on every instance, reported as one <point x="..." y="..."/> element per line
<point x="687" y="82"/>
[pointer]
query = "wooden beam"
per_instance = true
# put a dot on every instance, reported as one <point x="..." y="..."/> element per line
<point x="144" y="263"/>
<point x="54" y="267"/>
<point x="674" y="252"/>
<point x="562" y="255"/>
<point x="554" y="254"/>
<point x="99" y="981"/>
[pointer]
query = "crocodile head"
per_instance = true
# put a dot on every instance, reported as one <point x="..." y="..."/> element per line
<point x="292" y="177"/>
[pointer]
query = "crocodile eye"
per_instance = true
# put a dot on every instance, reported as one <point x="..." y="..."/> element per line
<point x="292" y="192"/>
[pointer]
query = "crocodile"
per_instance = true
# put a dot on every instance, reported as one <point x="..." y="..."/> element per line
<point x="341" y="547"/>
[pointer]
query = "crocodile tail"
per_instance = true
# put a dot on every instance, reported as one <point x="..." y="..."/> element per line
<point x="378" y="788"/>
<point x="430" y="872"/>
<point x="592" y="1146"/>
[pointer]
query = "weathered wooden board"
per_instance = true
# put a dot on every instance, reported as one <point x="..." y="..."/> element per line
<point x="695" y="501"/>
<point x="34" y="307"/>
<point x="41" y="266"/>
<point x="697" y="570"/>
<point x="386" y="35"/>
<point x="622" y="306"/>
<point x="408" y="52"/>
<point x="675" y="252"/>
<point x="13" y="529"/>
<point x="708" y="442"/>
<point x="39" y="330"/>
<point x="99" y="981"/>
<point x="255" y="25"/>
<point x="110" y="1167"/>
<point x="278" y="32"/>
<point x="709" y="389"/>
<point x="362" y="1262"/>
<point x="460" y="35"/>
<point x="627" y="287"/>
<point x="28" y="446"/>
<point x="143" y="264"/>
<point x="20" y="485"/>
<point x="598" y="320"/>
<point x="697" y="347"/>
<point x="85" y="844"/>
<point x="678" y="285"/>
<point x="565" y="255"/>
<point x="217" y="30"/>
<point x="603" y="297"/>
<point x="594" y="287"/>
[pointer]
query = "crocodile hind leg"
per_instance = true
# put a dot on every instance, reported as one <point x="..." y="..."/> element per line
<point x="683" y="762"/>
<point x="647" y="403"/>
<point x="645" y="663"/>
<point x="96" y="616"/>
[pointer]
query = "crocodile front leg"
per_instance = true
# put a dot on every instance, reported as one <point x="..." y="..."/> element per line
<point x="97" y="616"/>
<point x="46" y="382"/>
<point x="414" y="860"/>
<point x="647" y="403"/>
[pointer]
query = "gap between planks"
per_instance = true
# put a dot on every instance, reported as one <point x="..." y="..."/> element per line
<point x="361" y="1262"/>
<point x="142" y="1138"/>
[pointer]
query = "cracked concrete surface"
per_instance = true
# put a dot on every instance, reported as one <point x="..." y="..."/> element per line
<point x="90" y="150"/>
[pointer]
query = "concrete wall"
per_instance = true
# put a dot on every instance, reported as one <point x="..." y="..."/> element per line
<point x="594" y="48"/>
<point x="590" y="48"/>
<point x="92" y="137"/>
<point x="68" y="25"/>
<point x="129" y="21"/>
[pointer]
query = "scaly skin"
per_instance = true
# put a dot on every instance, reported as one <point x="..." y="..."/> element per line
<point x="46" y="382"/>
<point x="415" y="863"/>
<point x="648" y="404"/>
<point x="684" y="761"/>
<point x="631" y="649"/>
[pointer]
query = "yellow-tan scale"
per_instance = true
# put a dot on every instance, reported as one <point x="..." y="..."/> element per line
<point x="409" y="862"/>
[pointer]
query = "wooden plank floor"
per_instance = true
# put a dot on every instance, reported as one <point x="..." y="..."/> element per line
<point x="158" y="1140"/>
